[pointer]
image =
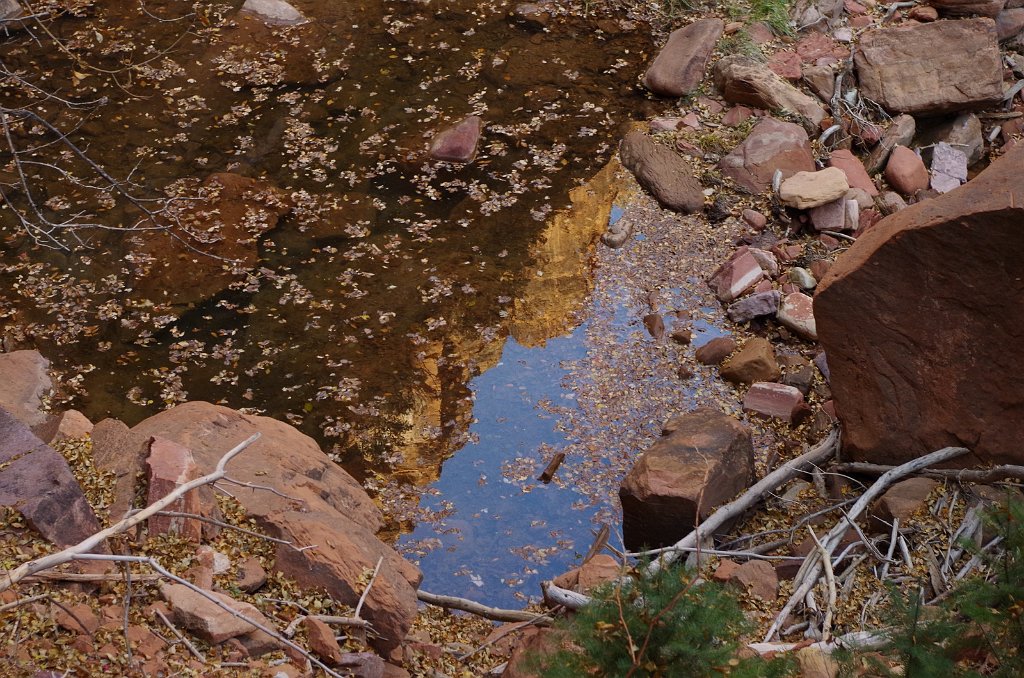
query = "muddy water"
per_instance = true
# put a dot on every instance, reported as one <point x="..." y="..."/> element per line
<point x="365" y="327"/>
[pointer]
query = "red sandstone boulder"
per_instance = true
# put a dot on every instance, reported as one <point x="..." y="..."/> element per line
<point x="322" y="505"/>
<point x="771" y="145"/>
<point x="679" y="67"/>
<point x="906" y="172"/>
<point x="902" y="501"/>
<point x="754" y="362"/>
<point x="911" y="69"/>
<point x="776" y="401"/>
<point x="922" y="318"/>
<point x="232" y="213"/>
<point x="683" y="477"/>
<point x="169" y="466"/>
<point x="854" y="170"/>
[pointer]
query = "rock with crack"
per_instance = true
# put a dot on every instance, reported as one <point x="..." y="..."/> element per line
<point x="921" y="319"/>
<point x="901" y="69"/>
<point x="683" y="477"/>
<point x="24" y="382"/>
<point x="743" y="80"/>
<point x="36" y="480"/>
<point x="318" y="505"/>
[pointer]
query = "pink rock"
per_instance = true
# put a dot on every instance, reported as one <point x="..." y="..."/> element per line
<point x="736" y="116"/>
<point x="830" y="216"/>
<point x="797" y="313"/>
<point x="458" y="143"/>
<point x="906" y="172"/>
<point x="755" y="219"/>
<point x="853" y="8"/>
<point x="949" y="167"/>
<point x="766" y="260"/>
<point x="691" y="120"/>
<point x="786" y="64"/>
<point x="714" y="107"/>
<point x="856" y="175"/>
<point x="862" y="21"/>
<point x="772" y="145"/>
<point x="679" y="67"/>
<point x="817" y="45"/>
<point x="170" y="465"/>
<point x="24" y="380"/>
<point x="773" y="400"/>
<point x="923" y="13"/>
<point x="756" y="305"/>
<point x="736" y="276"/>
<point x="763" y="286"/>
<point x="760" y="33"/>
<point x="1009" y="22"/>
<point x="665" y="124"/>
<point x="204" y="617"/>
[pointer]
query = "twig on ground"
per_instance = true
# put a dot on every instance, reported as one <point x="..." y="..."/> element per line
<point x="23" y="601"/>
<point x="289" y="631"/>
<point x="369" y="585"/>
<point x="473" y="607"/>
<point x="961" y="475"/>
<point x="808" y="575"/>
<point x="830" y="580"/>
<point x="151" y="562"/>
<point x="88" y="544"/>
<point x="180" y="636"/>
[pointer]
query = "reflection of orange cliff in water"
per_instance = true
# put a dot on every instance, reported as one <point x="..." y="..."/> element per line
<point x="546" y="309"/>
<point x="561" y="279"/>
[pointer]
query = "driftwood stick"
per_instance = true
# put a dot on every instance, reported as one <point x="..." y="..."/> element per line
<point x="180" y="636"/>
<point x="969" y="475"/>
<point x="830" y="580"/>
<point x="473" y="607"/>
<point x="369" y="585"/>
<point x="808" y="575"/>
<point x="89" y="543"/>
<point x="327" y="619"/>
<point x="549" y="472"/>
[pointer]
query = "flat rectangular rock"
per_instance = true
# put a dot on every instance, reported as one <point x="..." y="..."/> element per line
<point x="927" y="69"/>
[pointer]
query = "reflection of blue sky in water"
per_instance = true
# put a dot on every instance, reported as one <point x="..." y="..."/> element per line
<point x="495" y="522"/>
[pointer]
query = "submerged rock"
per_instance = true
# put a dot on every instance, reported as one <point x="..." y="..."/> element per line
<point x="458" y="143"/>
<point x="24" y="381"/>
<point x="921" y="320"/>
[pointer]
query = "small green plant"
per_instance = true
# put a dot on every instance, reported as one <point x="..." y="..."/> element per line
<point x="740" y="43"/>
<point x="662" y="626"/>
<point x="775" y="13"/>
<point x="673" y="9"/>
<point x="976" y="631"/>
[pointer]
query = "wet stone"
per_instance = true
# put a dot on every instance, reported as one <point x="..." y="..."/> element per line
<point x="458" y="143"/>
<point x="715" y="351"/>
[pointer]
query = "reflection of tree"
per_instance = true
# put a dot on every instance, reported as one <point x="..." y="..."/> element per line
<point x="50" y="182"/>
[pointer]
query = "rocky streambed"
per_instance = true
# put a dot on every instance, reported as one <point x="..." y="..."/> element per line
<point x="809" y="187"/>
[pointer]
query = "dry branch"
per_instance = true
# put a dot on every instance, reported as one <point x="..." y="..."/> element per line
<point x="493" y="613"/>
<point x="807" y="577"/>
<point x="88" y="544"/>
<point x="986" y="475"/>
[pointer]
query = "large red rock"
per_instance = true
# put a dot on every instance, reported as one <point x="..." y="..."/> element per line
<point x="771" y="145"/>
<point x="705" y="461"/>
<point x="906" y="69"/>
<point x="922" y="318"/>
<point x="322" y="506"/>
<point x="743" y="80"/>
<point x="679" y="67"/>
<point x="37" y="481"/>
